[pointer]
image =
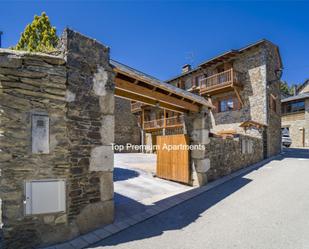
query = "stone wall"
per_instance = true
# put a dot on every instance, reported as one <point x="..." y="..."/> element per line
<point x="273" y="92"/>
<point x="196" y="125"/>
<point x="229" y="155"/>
<point x="74" y="93"/>
<point x="126" y="124"/>
<point x="90" y="119"/>
<point x="31" y="84"/>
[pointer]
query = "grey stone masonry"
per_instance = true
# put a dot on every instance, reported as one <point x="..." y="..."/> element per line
<point x="31" y="84"/>
<point x="90" y="118"/>
<point x="197" y="127"/>
<point x="56" y="127"/>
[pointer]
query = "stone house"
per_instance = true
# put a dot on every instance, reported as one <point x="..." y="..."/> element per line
<point x="57" y="129"/>
<point x="244" y="86"/>
<point x="295" y="116"/>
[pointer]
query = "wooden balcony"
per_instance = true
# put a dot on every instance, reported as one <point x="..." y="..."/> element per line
<point x="221" y="82"/>
<point x="136" y="106"/>
<point x="169" y="123"/>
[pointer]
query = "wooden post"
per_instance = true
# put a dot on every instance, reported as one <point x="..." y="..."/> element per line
<point x="143" y="118"/>
<point x="164" y="124"/>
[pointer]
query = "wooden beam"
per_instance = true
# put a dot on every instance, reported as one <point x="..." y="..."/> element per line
<point x="238" y="96"/>
<point x="136" y="97"/>
<point x="144" y="80"/>
<point x="160" y="97"/>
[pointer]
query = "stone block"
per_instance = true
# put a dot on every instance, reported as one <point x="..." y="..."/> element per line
<point x="200" y="123"/>
<point x="102" y="233"/>
<point x="200" y="136"/>
<point x="48" y="219"/>
<point x="69" y="96"/>
<point x="61" y="219"/>
<point x="100" y="80"/>
<point x="202" y="166"/>
<point x="10" y="61"/>
<point x="106" y="186"/>
<point x="91" y="238"/>
<point x="108" y="130"/>
<point x="107" y="103"/>
<point x="198" y="154"/>
<point x="95" y="215"/>
<point x="79" y="243"/>
<point x="102" y="158"/>
<point x="199" y="179"/>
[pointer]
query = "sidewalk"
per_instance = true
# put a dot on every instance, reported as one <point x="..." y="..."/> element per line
<point x="86" y="240"/>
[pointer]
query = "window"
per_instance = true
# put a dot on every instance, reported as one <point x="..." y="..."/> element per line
<point x="296" y="106"/>
<point x="247" y="146"/>
<point x="181" y="84"/>
<point x="197" y="80"/>
<point x="229" y="104"/>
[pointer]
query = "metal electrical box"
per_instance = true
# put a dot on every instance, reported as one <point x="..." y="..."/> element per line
<point x="40" y="134"/>
<point x="45" y="196"/>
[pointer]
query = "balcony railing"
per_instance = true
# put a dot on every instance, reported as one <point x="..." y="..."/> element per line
<point x="220" y="81"/>
<point x="136" y="106"/>
<point x="172" y="122"/>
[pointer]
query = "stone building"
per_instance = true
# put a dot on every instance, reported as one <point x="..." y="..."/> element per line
<point x="57" y="128"/>
<point x="295" y="116"/>
<point x="244" y="86"/>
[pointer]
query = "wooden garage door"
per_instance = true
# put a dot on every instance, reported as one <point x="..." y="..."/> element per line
<point x="173" y="164"/>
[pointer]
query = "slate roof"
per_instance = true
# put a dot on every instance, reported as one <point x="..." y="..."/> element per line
<point x="231" y="52"/>
<point x="296" y="97"/>
<point x="160" y="84"/>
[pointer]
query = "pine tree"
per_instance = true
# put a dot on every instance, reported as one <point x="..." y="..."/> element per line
<point x="38" y="36"/>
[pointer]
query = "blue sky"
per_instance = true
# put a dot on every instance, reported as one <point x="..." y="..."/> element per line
<point x="159" y="37"/>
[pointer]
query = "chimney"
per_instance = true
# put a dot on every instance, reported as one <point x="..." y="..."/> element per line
<point x="186" y="68"/>
<point x="0" y="38"/>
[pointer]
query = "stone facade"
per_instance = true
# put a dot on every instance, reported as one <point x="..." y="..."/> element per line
<point x="127" y="129"/>
<point x="229" y="155"/>
<point x="90" y="122"/>
<point x="75" y="93"/>
<point x="30" y="84"/>
<point x="197" y="127"/>
<point x="258" y="66"/>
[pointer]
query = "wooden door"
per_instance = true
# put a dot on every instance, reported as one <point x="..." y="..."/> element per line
<point x="173" y="164"/>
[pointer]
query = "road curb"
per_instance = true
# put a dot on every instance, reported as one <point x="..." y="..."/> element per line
<point x="97" y="235"/>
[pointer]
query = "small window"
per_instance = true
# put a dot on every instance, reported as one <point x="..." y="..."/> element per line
<point x="197" y="81"/>
<point x="229" y="104"/>
<point x="247" y="146"/>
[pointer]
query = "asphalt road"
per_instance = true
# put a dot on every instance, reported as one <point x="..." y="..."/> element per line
<point x="266" y="208"/>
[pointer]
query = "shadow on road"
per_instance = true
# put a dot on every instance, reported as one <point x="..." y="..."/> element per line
<point x="121" y="174"/>
<point x="189" y="211"/>
<point x="295" y="153"/>
<point x="179" y="218"/>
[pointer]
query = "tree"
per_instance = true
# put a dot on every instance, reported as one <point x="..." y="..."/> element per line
<point x="38" y="36"/>
<point x="284" y="88"/>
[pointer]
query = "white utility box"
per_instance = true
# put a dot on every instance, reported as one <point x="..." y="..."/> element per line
<point x="45" y="196"/>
